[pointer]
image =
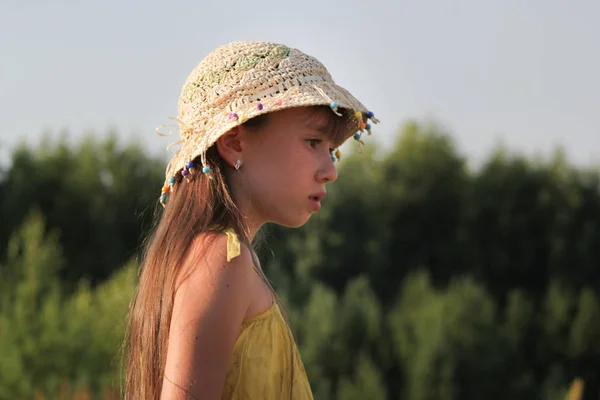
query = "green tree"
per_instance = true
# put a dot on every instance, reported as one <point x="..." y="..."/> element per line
<point x="98" y="194"/>
<point x="48" y="340"/>
<point x="30" y="290"/>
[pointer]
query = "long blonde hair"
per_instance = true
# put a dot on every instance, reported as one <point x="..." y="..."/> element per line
<point x="186" y="215"/>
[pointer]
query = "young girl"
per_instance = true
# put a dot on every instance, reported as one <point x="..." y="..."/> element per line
<point x="260" y="124"/>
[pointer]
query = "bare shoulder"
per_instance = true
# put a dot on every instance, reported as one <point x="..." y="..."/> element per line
<point x="209" y="284"/>
<point x="212" y="296"/>
<point x="206" y="264"/>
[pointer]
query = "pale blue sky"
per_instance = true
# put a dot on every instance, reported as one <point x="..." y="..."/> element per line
<point x="521" y="71"/>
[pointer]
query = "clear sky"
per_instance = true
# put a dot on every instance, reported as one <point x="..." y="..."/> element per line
<point x="524" y="72"/>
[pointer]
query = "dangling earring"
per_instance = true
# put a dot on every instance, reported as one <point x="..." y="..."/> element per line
<point x="238" y="164"/>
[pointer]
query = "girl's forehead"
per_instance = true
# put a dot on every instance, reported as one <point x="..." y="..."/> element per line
<point x="320" y="118"/>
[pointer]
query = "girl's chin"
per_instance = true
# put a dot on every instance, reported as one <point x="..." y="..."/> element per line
<point x="296" y="221"/>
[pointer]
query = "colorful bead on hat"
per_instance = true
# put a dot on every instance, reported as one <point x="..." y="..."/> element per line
<point x="334" y="107"/>
<point x="371" y="116"/>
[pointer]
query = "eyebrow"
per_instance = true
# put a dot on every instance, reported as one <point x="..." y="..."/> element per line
<point x="322" y="127"/>
<point x="321" y="131"/>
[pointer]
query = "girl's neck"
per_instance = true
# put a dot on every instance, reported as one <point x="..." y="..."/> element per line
<point x="252" y="228"/>
<point x="252" y="219"/>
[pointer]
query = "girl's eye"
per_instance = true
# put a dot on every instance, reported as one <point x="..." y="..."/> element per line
<point x="313" y="142"/>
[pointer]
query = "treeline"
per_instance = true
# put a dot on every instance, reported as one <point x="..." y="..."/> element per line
<point x="420" y="278"/>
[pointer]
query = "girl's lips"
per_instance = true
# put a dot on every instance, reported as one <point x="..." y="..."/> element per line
<point x="317" y="196"/>
<point x="315" y="200"/>
<point x="316" y="204"/>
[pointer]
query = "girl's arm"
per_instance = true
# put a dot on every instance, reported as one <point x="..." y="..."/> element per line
<point x="209" y="307"/>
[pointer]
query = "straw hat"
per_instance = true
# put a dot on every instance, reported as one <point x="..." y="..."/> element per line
<point x="241" y="80"/>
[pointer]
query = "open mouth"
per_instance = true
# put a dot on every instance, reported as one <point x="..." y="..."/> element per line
<point x="317" y="197"/>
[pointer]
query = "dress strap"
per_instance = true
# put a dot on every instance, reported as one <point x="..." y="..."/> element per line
<point x="233" y="244"/>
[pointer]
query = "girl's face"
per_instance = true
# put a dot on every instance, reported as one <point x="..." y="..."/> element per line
<point x="286" y="166"/>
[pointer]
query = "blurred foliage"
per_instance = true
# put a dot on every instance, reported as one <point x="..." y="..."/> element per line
<point x="96" y="195"/>
<point x="52" y="343"/>
<point x="420" y="279"/>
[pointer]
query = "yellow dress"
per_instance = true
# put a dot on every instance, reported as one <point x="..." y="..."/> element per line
<point x="266" y="363"/>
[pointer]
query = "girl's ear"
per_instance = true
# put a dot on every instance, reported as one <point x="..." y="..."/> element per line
<point x="230" y="146"/>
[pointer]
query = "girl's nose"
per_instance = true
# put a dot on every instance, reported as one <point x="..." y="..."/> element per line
<point x="328" y="172"/>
